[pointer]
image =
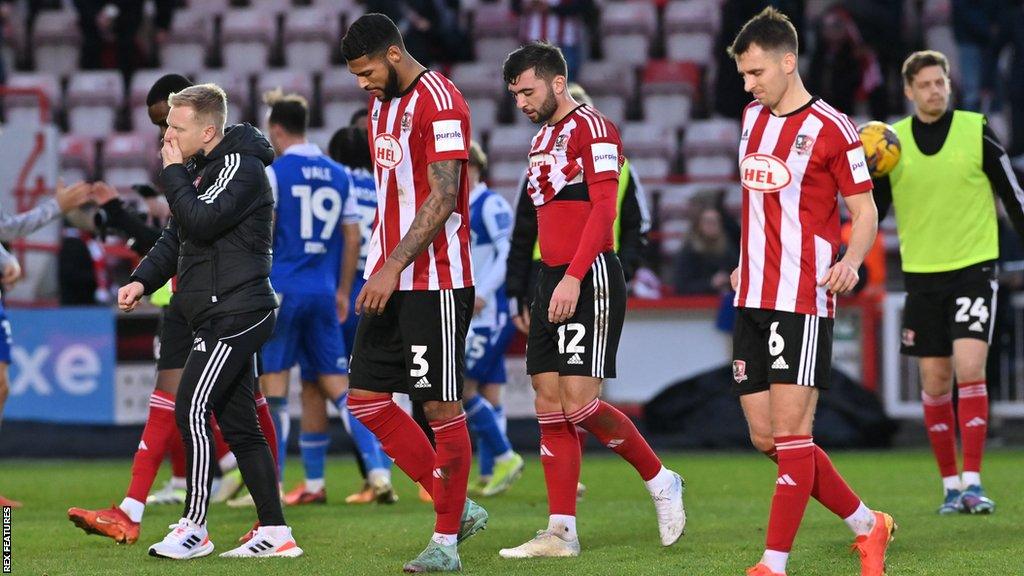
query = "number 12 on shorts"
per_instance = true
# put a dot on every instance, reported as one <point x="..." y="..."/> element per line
<point x="573" y="347"/>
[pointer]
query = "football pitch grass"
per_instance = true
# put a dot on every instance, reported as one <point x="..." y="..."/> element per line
<point x="727" y="500"/>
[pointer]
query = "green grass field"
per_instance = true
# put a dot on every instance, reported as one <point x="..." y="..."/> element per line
<point x="727" y="503"/>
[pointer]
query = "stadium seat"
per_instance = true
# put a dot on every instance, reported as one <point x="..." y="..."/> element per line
<point x="236" y="85"/>
<point x="24" y="110"/>
<point x="626" y="30"/>
<point x="612" y="106"/>
<point x="692" y="16"/>
<point x="247" y="37"/>
<point x="129" y="158"/>
<point x="714" y="136"/>
<point x="272" y="6"/>
<point x="210" y="7"/>
<point x="93" y="102"/>
<point x="478" y="79"/>
<point x="605" y="77"/>
<point x="651" y="138"/>
<point x="652" y="167"/>
<point x="494" y="20"/>
<point x="188" y="42"/>
<point x="717" y="167"/>
<point x="511" y="143"/>
<point x="299" y="82"/>
<point x="494" y="50"/>
<point x="341" y="97"/>
<point x="55" y="41"/>
<point x="138" y="89"/>
<point x="690" y="46"/>
<point x="309" y="37"/>
<point x="668" y="88"/>
<point x="77" y="158"/>
<point x="483" y="115"/>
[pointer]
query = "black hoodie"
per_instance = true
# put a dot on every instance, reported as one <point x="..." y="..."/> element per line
<point x="219" y="239"/>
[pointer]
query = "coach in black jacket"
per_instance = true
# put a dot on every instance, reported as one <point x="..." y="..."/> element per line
<point x="218" y="242"/>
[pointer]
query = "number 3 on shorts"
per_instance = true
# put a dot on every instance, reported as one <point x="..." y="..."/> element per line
<point x="418" y="360"/>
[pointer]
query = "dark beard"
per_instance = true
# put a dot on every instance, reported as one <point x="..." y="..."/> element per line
<point x="548" y="108"/>
<point x="391" y="88"/>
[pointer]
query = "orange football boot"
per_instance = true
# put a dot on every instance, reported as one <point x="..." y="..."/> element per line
<point x="110" y="522"/>
<point x="872" y="546"/>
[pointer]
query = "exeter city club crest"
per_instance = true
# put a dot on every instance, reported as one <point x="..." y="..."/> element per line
<point x="739" y="370"/>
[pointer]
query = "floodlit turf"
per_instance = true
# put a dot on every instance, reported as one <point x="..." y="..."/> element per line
<point x="727" y="500"/>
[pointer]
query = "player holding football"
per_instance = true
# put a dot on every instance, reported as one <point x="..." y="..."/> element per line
<point x="795" y="153"/>
<point x="951" y="161"/>
<point x="580" y="304"/>
<point x="418" y="298"/>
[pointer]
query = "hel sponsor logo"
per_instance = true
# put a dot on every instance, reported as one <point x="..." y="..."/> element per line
<point x="908" y="337"/>
<point x="858" y="165"/>
<point x="739" y="370"/>
<point x="448" y="136"/>
<point x="541" y="159"/>
<point x="764" y="173"/>
<point x="387" y="151"/>
<point x="605" y="156"/>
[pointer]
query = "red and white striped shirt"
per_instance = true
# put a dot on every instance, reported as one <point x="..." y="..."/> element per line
<point x="791" y="168"/>
<point x="428" y="123"/>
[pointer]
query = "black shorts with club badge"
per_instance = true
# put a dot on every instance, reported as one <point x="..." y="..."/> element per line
<point x="774" y="347"/>
<point x="586" y="343"/>
<point x="945" y="306"/>
<point x="417" y="346"/>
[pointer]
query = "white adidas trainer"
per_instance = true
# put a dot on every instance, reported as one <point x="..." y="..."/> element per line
<point x="546" y="544"/>
<point x="267" y="542"/>
<point x="186" y="540"/>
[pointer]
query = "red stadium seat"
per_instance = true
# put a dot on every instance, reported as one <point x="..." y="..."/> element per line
<point x="651" y="138"/>
<point x="93" y="101"/>
<point x="668" y="89"/>
<point x="478" y="79"/>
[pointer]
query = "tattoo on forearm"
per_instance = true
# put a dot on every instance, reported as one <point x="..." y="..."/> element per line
<point x="444" y="178"/>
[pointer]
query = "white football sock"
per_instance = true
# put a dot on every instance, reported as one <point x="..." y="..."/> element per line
<point x="775" y="560"/>
<point x="862" y="521"/>
<point x="972" y="479"/>
<point x="563" y="525"/>
<point x="133" y="508"/>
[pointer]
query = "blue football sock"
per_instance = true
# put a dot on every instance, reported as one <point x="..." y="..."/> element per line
<point x="482" y="420"/>
<point x="313" y="446"/>
<point x="370" y="450"/>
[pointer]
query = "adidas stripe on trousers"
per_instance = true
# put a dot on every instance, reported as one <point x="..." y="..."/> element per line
<point x="220" y="377"/>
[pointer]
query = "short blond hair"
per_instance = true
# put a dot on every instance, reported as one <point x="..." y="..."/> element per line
<point x="208" y="101"/>
<point x="477" y="156"/>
